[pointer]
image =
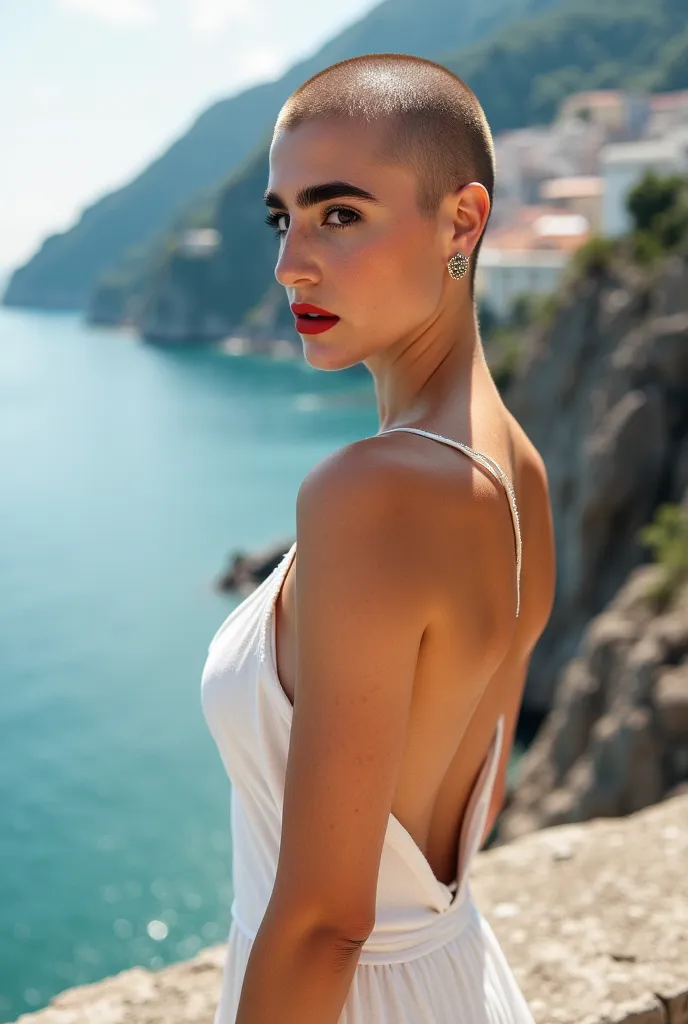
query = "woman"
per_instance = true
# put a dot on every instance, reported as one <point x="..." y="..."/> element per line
<point x="364" y="697"/>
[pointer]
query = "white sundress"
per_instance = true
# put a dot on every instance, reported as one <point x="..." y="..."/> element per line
<point x="432" y="958"/>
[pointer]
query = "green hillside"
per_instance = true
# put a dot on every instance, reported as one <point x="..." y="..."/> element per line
<point x="523" y="73"/>
<point x="63" y="272"/>
<point x="520" y="75"/>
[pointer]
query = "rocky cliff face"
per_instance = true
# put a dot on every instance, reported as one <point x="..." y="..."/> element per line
<point x="617" y="737"/>
<point x="592" y="918"/>
<point x="603" y="395"/>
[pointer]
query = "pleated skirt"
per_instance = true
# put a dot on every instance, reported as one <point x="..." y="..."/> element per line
<point x="465" y="981"/>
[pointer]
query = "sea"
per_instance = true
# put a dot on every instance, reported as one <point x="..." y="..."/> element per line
<point x="129" y="473"/>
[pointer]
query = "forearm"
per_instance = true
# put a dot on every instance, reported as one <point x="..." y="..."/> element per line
<point x="289" y="980"/>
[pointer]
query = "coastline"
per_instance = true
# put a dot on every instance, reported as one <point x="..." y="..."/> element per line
<point x="593" y="919"/>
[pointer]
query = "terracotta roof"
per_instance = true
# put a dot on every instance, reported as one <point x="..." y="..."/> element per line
<point x="669" y="100"/>
<point x="595" y="98"/>
<point x="540" y="227"/>
<point x="576" y="187"/>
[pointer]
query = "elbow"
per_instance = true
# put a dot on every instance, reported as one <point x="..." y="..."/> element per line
<point x="341" y="943"/>
<point x="334" y="927"/>
<point x="346" y="927"/>
<point x="350" y="935"/>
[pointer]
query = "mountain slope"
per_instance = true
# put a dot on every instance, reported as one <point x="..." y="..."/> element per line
<point x="520" y="76"/>
<point x="524" y="72"/>
<point x="66" y="267"/>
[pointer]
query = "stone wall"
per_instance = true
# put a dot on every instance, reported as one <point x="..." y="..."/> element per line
<point x="593" y="919"/>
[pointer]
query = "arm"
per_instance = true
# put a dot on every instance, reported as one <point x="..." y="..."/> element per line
<point x="360" y="612"/>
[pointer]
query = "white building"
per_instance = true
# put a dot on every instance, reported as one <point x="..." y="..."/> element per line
<point x="624" y="164"/>
<point x="199" y="242"/>
<point x="580" y="194"/>
<point x="503" y="275"/>
<point x="528" y="257"/>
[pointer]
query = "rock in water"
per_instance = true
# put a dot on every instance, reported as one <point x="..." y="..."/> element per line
<point x="247" y="571"/>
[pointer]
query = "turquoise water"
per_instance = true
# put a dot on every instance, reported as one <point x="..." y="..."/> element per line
<point x="127" y="475"/>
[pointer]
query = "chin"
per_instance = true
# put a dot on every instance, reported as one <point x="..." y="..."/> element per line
<point x="321" y="356"/>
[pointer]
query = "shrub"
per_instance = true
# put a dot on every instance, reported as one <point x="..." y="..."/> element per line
<point x="506" y="352"/>
<point x="645" y="248"/>
<point x="667" y="537"/>
<point x="595" y="256"/>
<point x="659" y="208"/>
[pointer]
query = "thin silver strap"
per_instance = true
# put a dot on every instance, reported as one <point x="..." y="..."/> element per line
<point x="489" y="463"/>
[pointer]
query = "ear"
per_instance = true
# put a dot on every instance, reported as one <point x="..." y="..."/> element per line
<point x="468" y="209"/>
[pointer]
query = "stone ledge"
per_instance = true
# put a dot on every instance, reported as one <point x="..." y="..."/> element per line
<point x="593" y="919"/>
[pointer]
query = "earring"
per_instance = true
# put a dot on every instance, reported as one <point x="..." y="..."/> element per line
<point x="458" y="265"/>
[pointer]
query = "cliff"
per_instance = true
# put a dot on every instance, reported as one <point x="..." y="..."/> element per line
<point x="592" y="918"/>
<point x="603" y="395"/>
<point x="616" y="739"/>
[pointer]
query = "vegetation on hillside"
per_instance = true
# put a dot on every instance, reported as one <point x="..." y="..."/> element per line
<point x="658" y="206"/>
<point x="67" y="267"/>
<point x="518" y="76"/>
<point x="667" y="537"/>
<point x="521" y="71"/>
<point x="523" y="74"/>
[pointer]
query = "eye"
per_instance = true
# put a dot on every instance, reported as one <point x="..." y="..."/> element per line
<point x="275" y="220"/>
<point x="345" y="216"/>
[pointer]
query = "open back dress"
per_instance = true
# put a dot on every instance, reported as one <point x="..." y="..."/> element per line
<point x="432" y="958"/>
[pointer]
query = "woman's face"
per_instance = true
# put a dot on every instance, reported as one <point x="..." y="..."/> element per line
<point x="373" y="261"/>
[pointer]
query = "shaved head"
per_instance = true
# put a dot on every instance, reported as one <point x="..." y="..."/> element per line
<point x="430" y="120"/>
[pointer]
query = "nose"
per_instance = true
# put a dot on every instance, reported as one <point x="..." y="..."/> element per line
<point x="296" y="264"/>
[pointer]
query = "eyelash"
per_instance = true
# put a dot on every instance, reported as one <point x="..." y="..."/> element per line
<point x="273" y="219"/>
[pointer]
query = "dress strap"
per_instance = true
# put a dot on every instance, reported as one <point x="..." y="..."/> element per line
<point x="489" y="463"/>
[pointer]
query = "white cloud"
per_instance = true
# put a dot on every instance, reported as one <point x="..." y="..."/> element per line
<point x="213" y="15"/>
<point x="119" y="12"/>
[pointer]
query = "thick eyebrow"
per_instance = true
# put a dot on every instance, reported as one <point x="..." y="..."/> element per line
<point x="311" y="195"/>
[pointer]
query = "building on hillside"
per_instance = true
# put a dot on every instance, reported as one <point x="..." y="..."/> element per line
<point x="579" y="194"/>
<point x="625" y="164"/>
<point x="622" y="115"/>
<point x="199" y="243"/>
<point x="668" y="111"/>
<point x="528" y="157"/>
<point x="527" y="257"/>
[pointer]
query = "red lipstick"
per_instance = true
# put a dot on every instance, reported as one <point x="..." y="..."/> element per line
<point x="312" y="319"/>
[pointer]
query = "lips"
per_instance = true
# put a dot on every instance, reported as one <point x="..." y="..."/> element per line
<point x="312" y="319"/>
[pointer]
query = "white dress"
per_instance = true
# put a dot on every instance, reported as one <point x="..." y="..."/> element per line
<point x="432" y="958"/>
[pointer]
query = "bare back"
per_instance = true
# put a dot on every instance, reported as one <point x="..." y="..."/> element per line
<point x="445" y="748"/>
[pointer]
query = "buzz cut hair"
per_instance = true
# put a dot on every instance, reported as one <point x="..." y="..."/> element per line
<point x="434" y="122"/>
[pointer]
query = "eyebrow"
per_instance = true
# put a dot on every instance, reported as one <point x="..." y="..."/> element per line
<point x="311" y="195"/>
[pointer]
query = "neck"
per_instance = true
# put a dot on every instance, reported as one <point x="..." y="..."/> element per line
<point x="432" y="372"/>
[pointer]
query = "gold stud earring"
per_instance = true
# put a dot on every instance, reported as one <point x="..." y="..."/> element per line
<point x="458" y="265"/>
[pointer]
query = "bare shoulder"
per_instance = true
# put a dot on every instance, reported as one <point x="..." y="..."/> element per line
<point x="530" y="459"/>
<point x="438" y="530"/>
<point x="366" y="478"/>
<point x="363" y="504"/>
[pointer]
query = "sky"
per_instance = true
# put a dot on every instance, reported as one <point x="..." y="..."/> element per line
<point x="92" y="90"/>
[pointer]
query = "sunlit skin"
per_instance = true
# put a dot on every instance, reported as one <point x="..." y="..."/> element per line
<point x="405" y="566"/>
<point x="381" y="266"/>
